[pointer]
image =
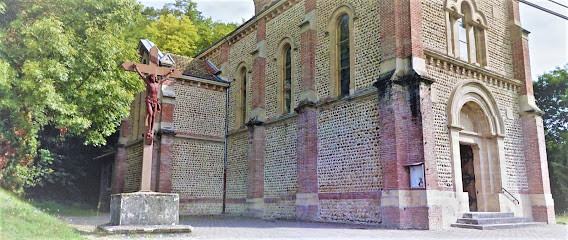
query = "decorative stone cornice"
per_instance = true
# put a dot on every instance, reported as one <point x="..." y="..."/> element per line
<point x="199" y="137"/>
<point x="202" y="83"/>
<point x="278" y="9"/>
<point x="442" y="61"/>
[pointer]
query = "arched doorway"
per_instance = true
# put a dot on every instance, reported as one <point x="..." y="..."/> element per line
<point x="476" y="136"/>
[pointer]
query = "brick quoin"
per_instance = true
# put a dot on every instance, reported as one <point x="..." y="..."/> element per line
<point x="307" y="121"/>
<point x="258" y="83"/>
<point x="165" y="164"/>
<point x="537" y="166"/>
<point x="308" y="44"/>
<point x="119" y="171"/>
<point x="168" y="113"/>
<point x="402" y="28"/>
<point x="259" y="71"/>
<point x="307" y="160"/>
<point x="307" y="151"/>
<point x="261" y="30"/>
<point x="387" y="26"/>
<point x="520" y="48"/>
<point x="394" y="112"/>
<point x="124" y="128"/>
<point x="255" y="180"/>
<point x="310" y="5"/>
<point x="120" y="161"/>
<point x="532" y="125"/>
<point x="416" y="32"/>
<point x="256" y="131"/>
<point x="402" y="102"/>
<point x="225" y="53"/>
<point x="154" y="184"/>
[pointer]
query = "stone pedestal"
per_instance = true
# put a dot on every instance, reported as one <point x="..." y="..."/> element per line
<point x="144" y="212"/>
<point x="144" y="208"/>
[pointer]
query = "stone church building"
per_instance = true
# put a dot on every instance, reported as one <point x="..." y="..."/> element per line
<point x="398" y="113"/>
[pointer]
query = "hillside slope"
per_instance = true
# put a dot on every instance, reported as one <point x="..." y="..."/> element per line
<point x="19" y="220"/>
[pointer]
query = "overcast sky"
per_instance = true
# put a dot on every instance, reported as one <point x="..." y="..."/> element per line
<point x="548" y="40"/>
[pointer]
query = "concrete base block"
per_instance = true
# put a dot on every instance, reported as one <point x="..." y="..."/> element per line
<point x="144" y="209"/>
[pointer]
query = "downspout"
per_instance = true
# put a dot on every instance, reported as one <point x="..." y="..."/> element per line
<point x="225" y="153"/>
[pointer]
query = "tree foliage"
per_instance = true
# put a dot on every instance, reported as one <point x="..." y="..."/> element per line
<point x="551" y="92"/>
<point x="60" y="66"/>
<point x="174" y="35"/>
<point x="71" y="175"/>
<point x="61" y="85"/>
<point x="208" y="31"/>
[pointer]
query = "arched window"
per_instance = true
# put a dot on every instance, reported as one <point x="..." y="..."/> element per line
<point x="287" y="80"/>
<point x="344" y="56"/>
<point x="466" y="32"/>
<point x="463" y="38"/>
<point x="243" y="93"/>
<point x="342" y="52"/>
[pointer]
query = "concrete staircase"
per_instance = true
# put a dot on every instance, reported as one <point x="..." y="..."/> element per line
<point x="493" y="220"/>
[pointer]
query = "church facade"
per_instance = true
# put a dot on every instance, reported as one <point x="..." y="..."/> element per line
<point x="403" y="114"/>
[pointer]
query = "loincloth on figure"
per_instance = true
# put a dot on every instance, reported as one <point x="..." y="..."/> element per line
<point x="154" y="103"/>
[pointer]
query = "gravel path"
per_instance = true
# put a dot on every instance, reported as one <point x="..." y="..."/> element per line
<point x="224" y="227"/>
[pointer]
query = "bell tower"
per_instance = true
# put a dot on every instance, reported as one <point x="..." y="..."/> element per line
<point x="260" y="5"/>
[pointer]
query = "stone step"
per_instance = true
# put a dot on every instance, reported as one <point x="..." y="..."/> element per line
<point x="480" y="215"/>
<point x="484" y="221"/>
<point x="498" y="226"/>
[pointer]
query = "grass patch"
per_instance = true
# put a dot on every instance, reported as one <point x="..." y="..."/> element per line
<point x="20" y="220"/>
<point x="562" y="219"/>
<point x="58" y="209"/>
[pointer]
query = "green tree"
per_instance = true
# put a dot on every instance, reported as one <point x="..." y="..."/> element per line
<point x="551" y="92"/>
<point x="174" y="35"/>
<point x="60" y="66"/>
<point x="208" y="31"/>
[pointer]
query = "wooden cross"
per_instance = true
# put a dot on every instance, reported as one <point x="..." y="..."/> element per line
<point x="152" y="105"/>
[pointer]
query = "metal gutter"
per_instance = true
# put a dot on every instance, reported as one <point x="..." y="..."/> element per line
<point x="225" y="150"/>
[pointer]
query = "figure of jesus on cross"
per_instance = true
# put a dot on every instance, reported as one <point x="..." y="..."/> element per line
<point x="149" y="73"/>
<point x="152" y="103"/>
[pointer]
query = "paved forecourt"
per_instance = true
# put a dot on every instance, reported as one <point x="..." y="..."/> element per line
<point x="222" y="227"/>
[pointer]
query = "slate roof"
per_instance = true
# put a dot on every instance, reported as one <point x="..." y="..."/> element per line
<point x="164" y="58"/>
<point x="198" y="68"/>
<point x="192" y="67"/>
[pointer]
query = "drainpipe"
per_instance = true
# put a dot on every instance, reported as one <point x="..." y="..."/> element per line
<point x="225" y="153"/>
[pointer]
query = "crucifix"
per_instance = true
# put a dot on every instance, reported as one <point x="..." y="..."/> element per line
<point x="149" y="73"/>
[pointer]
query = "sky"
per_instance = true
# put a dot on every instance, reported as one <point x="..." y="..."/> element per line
<point x="548" y="41"/>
